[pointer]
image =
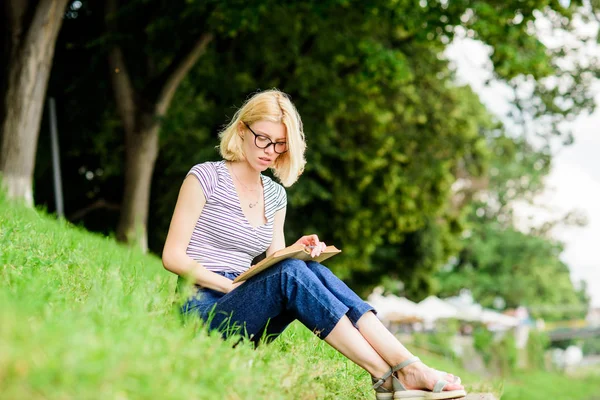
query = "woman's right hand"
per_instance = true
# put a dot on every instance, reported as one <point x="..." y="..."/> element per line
<point x="312" y="242"/>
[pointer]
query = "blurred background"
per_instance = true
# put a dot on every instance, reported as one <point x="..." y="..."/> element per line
<point x="452" y="145"/>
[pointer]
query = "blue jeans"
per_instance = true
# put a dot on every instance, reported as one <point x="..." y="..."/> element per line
<point x="264" y="305"/>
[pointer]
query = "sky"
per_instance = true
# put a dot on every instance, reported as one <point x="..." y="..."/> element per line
<point x="574" y="181"/>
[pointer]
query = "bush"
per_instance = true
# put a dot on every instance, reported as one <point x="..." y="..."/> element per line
<point x="499" y="353"/>
<point x="440" y="341"/>
<point x="482" y="341"/>
<point x="506" y="353"/>
<point x="537" y="343"/>
<point x="591" y="346"/>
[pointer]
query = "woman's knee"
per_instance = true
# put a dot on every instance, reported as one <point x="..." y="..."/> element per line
<point x="295" y="269"/>
<point x="292" y="264"/>
<point x="318" y="268"/>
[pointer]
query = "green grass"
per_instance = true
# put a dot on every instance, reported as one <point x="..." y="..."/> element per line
<point x="544" y="385"/>
<point x="82" y="317"/>
<point x="527" y="385"/>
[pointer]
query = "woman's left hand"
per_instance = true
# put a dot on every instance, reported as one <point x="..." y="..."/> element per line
<point x="313" y="242"/>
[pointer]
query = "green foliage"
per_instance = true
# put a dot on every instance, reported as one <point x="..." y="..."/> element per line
<point x="524" y="270"/>
<point x="482" y="341"/>
<point x="507" y="353"/>
<point x="591" y="346"/>
<point x="365" y="187"/>
<point x="537" y="344"/>
<point x="498" y="353"/>
<point x="441" y="339"/>
<point x="498" y="260"/>
<point x="388" y="130"/>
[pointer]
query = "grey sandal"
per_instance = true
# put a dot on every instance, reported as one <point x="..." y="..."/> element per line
<point x="382" y="393"/>
<point x="401" y="392"/>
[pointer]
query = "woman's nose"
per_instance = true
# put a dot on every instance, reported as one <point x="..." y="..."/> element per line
<point x="270" y="149"/>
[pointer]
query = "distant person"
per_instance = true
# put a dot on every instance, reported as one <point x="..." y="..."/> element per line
<point x="227" y="213"/>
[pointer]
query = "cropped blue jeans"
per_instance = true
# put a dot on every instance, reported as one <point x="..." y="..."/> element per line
<point x="264" y="305"/>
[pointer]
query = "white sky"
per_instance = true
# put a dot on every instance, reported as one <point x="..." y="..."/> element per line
<point x="574" y="182"/>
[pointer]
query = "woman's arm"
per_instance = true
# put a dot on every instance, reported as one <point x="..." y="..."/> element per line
<point x="189" y="206"/>
<point x="278" y="242"/>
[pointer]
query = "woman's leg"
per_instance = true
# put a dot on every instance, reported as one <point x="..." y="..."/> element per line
<point x="289" y="288"/>
<point x="417" y="375"/>
<point x="274" y="327"/>
<point x="414" y="376"/>
<point x="202" y="305"/>
<point x="357" y="307"/>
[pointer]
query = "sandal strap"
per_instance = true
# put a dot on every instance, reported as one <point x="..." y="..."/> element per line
<point x="439" y="386"/>
<point x="398" y="386"/>
<point x="405" y="363"/>
<point x="378" y="382"/>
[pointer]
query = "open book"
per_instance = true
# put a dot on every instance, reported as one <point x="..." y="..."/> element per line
<point x="298" y="251"/>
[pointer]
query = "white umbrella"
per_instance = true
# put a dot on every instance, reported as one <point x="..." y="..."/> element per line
<point x="434" y="308"/>
<point x="493" y="317"/>
<point x="404" y="307"/>
<point x="466" y="309"/>
<point x="392" y="305"/>
<point x="380" y="303"/>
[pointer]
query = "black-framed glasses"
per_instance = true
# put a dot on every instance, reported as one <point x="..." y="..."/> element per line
<point x="262" y="142"/>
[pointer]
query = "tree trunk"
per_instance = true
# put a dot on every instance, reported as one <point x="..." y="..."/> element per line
<point x="32" y="46"/>
<point x="141" y="113"/>
<point x="141" y="150"/>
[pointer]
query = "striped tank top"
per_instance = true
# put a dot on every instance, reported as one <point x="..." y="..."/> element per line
<point x="223" y="239"/>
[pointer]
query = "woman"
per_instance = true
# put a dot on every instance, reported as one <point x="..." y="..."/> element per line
<point x="227" y="213"/>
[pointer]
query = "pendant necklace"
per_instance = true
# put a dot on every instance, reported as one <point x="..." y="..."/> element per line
<point x="251" y="205"/>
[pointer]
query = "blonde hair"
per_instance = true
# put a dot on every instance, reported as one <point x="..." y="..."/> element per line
<point x="275" y="106"/>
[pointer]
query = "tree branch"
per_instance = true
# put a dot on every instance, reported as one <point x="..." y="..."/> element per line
<point x="98" y="204"/>
<point x="121" y="81"/>
<point x="170" y="79"/>
<point x="15" y="12"/>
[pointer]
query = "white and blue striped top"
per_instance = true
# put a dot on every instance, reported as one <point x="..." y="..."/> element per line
<point x="223" y="239"/>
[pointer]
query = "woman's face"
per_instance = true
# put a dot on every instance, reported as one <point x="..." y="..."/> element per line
<point x="263" y="141"/>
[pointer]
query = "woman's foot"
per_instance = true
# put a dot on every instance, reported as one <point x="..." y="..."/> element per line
<point x="418" y="376"/>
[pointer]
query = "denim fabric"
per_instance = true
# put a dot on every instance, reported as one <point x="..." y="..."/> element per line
<point x="264" y="305"/>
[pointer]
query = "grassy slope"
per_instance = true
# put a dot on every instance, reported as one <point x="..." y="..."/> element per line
<point x="83" y="317"/>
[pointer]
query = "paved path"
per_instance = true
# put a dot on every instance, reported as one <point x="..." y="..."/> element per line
<point x="480" y="396"/>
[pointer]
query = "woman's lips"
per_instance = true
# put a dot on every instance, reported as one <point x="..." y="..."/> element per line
<point x="264" y="160"/>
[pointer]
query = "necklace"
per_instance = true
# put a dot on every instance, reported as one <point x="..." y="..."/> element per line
<point x="250" y="205"/>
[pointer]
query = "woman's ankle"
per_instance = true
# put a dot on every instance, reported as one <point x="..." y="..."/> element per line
<point x="411" y="376"/>
<point x="388" y="383"/>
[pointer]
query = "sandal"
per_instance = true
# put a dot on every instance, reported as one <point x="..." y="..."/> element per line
<point x="401" y="392"/>
<point x="382" y="393"/>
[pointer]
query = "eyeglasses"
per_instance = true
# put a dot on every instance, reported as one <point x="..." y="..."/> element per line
<point x="263" y="142"/>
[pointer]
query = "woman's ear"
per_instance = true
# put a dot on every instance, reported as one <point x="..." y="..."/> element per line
<point x="240" y="129"/>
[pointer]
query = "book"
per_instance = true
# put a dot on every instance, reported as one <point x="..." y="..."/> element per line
<point x="298" y="251"/>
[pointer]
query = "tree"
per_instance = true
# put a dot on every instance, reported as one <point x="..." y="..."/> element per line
<point x="388" y="130"/>
<point x="29" y="49"/>
<point x="141" y="108"/>
<point x="499" y="261"/>
<point x="521" y="269"/>
<point x="384" y="125"/>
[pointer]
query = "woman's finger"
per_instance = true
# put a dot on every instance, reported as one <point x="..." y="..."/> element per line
<point x="315" y="240"/>
<point x="318" y="249"/>
<point x="315" y="251"/>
